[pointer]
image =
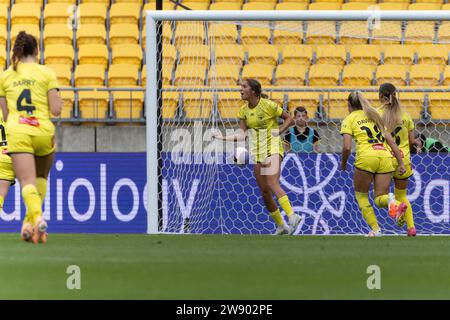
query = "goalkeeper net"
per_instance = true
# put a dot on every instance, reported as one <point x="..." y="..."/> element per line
<point x="194" y="184"/>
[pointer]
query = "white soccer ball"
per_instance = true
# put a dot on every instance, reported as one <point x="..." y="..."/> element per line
<point x="241" y="155"/>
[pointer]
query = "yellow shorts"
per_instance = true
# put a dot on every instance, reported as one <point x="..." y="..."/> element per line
<point x="38" y="145"/>
<point x="406" y="175"/>
<point x="6" y="170"/>
<point x="375" y="164"/>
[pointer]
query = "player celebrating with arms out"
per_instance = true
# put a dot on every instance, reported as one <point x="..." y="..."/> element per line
<point x="28" y="92"/>
<point x="401" y="126"/>
<point x="372" y="161"/>
<point x="259" y="118"/>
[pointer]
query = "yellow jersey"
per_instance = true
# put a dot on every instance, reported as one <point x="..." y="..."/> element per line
<point x="4" y="157"/>
<point x="26" y="94"/>
<point x="369" y="140"/>
<point x="262" y="121"/>
<point x="401" y="135"/>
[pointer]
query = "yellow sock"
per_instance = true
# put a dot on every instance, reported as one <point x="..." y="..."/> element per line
<point x="400" y="195"/>
<point x="367" y="210"/>
<point x="41" y="186"/>
<point x="277" y="217"/>
<point x="286" y="205"/>
<point x="32" y="201"/>
<point x="382" y="201"/>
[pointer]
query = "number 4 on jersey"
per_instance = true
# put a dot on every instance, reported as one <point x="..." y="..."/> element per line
<point x="25" y="95"/>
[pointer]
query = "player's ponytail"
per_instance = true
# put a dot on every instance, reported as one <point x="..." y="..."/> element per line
<point x="393" y="111"/>
<point x="25" y="45"/>
<point x="256" y="87"/>
<point x="359" y="102"/>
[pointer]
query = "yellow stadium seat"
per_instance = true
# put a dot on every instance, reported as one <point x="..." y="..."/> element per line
<point x="255" y="35"/>
<point x="63" y="73"/>
<point x="130" y="54"/>
<point x="424" y="6"/>
<point x="424" y="75"/>
<point x="258" y="6"/>
<point x="93" y="54"/>
<point x="25" y="13"/>
<point x="290" y="75"/>
<point x="62" y="1"/>
<point x="324" y="75"/>
<point x="229" y="104"/>
<point x="399" y="54"/>
<point x="297" y="1"/>
<point x="335" y="104"/>
<point x="28" y="28"/>
<point x="403" y="5"/>
<point x="57" y="34"/>
<point x="357" y="75"/>
<point x="225" y="6"/>
<point x="263" y="54"/>
<point x="197" y="105"/>
<point x="93" y="104"/>
<point x="169" y="54"/>
<point x="59" y="13"/>
<point x="356" y="5"/>
<point x="128" y="104"/>
<point x="439" y="105"/>
<point x="222" y="33"/>
<point x="233" y="1"/>
<point x="92" y="13"/>
<point x="59" y="54"/>
<point x="105" y="2"/>
<point x="289" y="33"/>
<point x="444" y="32"/>
<point x="190" y="75"/>
<point x="91" y="34"/>
<point x="262" y="72"/>
<point x="166" y="36"/>
<point x="390" y="32"/>
<point x="68" y="99"/>
<point x="4" y="14"/>
<point x="89" y="75"/>
<point x="297" y="54"/>
<point x="229" y="53"/>
<point x="120" y="75"/>
<point x="413" y="102"/>
<point x="365" y="54"/>
<point x="195" y="55"/>
<point x="325" y="6"/>
<point x="445" y="6"/>
<point x="432" y="54"/>
<point x="419" y="32"/>
<point x="331" y="54"/>
<point x="446" y="76"/>
<point x="354" y="32"/>
<point x="292" y="5"/>
<point x="224" y="75"/>
<point x="3" y="35"/>
<point x="167" y="5"/>
<point x="166" y="74"/>
<point x="23" y="1"/>
<point x="323" y="32"/>
<point x="189" y="33"/>
<point x="127" y="13"/>
<point x="269" y="1"/>
<point x="170" y="104"/>
<point x="308" y="100"/>
<point x="128" y="1"/>
<point x="393" y="73"/>
<point x="193" y="5"/>
<point x="123" y="34"/>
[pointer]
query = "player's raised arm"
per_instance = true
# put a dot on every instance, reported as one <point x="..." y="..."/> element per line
<point x="240" y="135"/>
<point x="288" y="121"/>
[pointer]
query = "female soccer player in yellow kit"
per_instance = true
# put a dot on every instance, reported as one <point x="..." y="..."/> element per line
<point x="259" y="118"/>
<point x="28" y="92"/>
<point x="401" y="126"/>
<point x="373" y="161"/>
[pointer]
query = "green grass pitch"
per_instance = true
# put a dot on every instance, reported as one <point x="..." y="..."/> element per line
<point x="224" y="267"/>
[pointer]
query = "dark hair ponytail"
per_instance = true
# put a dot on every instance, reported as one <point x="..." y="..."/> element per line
<point x="256" y="87"/>
<point x="25" y="45"/>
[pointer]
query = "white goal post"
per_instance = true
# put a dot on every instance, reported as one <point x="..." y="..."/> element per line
<point x="151" y="98"/>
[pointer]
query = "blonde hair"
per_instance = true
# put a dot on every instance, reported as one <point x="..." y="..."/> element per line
<point x="359" y="102"/>
<point x="392" y="115"/>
